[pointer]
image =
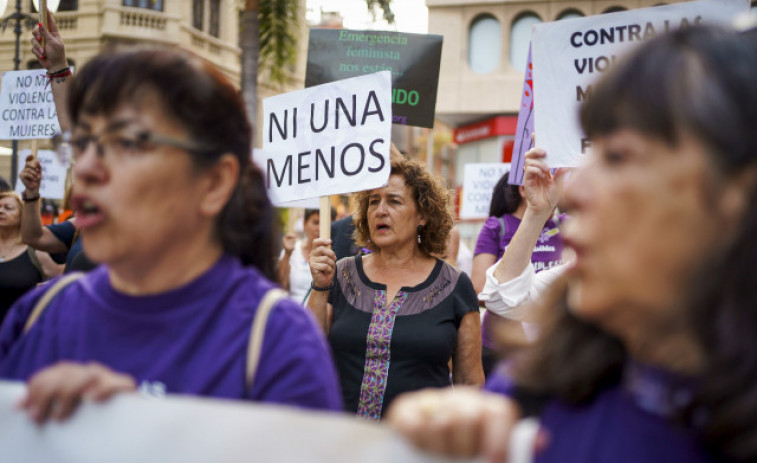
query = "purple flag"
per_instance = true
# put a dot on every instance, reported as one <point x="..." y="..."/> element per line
<point x="525" y="126"/>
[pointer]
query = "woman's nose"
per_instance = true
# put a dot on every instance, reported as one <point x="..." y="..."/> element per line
<point x="89" y="165"/>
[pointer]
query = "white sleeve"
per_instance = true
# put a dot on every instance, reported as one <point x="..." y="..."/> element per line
<point x="506" y="299"/>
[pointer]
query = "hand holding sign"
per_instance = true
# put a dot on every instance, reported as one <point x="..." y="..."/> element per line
<point x="31" y="175"/>
<point x="55" y="392"/>
<point x="542" y="190"/>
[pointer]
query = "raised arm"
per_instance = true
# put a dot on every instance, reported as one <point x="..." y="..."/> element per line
<point x="53" y="58"/>
<point x="32" y="231"/>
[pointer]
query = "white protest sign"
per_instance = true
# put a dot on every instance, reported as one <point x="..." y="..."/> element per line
<point x="53" y="185"/>
<point x="328" y="139"/>
<point x="131" y="427"/>
<point x="310" y="203"/>
<point x="27" y="110"/>
<point x="258" y="158"/>
<point x="478" y="185"/>
<point x="569" y="55"/>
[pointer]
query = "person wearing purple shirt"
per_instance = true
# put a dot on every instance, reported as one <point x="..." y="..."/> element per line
<point x="168" y="201"/>
<point x="646" y="346"/>
<point x="189" y="340"/>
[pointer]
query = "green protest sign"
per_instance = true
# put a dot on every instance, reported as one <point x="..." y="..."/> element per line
<point x="413" y="59"/>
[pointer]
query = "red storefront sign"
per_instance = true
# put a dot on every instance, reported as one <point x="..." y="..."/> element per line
<point x="500" y="125"/>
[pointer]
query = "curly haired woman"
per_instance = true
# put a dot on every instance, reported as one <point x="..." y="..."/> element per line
<point x="396" y="316"/>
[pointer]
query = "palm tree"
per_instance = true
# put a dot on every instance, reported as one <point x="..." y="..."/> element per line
<point x="269" y="30"/>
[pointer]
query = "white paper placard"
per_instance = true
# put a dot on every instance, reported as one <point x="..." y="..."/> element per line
<point x="328" y="139"/>
<point x="53" y="185"/>
<point x="478" y="185"/>
<point x="27" y="110"/>
<point x="569" y="55"/>
<point x="132" y="427"/>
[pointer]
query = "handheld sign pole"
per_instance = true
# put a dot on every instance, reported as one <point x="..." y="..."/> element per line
<point x="43" y="13"/>
<point x="34" y="149"/>
<point x="324" y="226"/>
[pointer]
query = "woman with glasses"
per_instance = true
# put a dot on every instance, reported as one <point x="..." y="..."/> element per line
<point x="168" y="201"/>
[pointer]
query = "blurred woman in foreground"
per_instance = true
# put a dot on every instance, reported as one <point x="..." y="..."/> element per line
<point x="647" y="352"/>
<point x="167" y="199"/>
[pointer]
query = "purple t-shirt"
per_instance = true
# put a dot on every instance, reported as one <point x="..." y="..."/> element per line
<point x="626" y="423"/>
<point x="492" y="240"/>
<point x="190" y="340"/>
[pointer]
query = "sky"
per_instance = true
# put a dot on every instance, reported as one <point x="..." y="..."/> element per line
<point x="409" y="15"/>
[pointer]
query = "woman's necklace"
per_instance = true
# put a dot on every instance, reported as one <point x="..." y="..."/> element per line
<point x="5" y="253"/>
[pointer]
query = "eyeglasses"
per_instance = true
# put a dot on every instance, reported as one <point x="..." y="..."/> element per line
<point x="121" y="144"/>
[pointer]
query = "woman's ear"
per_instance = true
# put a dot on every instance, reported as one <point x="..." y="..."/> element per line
<point x="219" y="183"/>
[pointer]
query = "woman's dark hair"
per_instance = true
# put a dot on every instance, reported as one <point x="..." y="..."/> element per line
<point x="210" y="109"/>
<point x="431" y="198"/>
<point x="697" y="82"/>
<point x="505" y="197"/>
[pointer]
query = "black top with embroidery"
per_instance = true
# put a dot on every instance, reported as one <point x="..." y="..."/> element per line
<point x="383" y="351"/>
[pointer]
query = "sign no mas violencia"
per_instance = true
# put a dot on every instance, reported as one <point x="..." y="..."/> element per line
<point x="27" y="110"/>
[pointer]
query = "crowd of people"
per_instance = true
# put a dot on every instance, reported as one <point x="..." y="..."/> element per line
<point x="628" y="279"/>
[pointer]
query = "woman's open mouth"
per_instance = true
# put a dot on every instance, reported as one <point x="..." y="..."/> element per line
<point x="88" y="213"/>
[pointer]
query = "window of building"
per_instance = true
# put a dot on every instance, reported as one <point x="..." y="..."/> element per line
<point x="484" y="44"/>
<point x="520" y="38"/>
<point x="198" y="10"/>
<point x="614" y="9"/>
<point x="570" y="14"/>
<point x="214" y="27"/>
<point x="64" y="5"/>
<point x="149" y="4"/>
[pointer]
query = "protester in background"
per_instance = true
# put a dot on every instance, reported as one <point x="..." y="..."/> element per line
<point x="21" y="267"/>
<point x="513" y="280"/>
<point x="167" y="199"/>
<point x="647" y="350"/>
<point x="342" y="238"/>
<point x="293" y="269"/>
<point x="396" y="316"/>
<point x="505" y="214"/>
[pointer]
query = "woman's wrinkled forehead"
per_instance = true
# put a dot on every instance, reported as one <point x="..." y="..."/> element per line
<point x="138" y="98"/>
<point x="140" y="107"/>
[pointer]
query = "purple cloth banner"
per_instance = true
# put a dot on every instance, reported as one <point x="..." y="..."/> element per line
<point x="525" y="126"/>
